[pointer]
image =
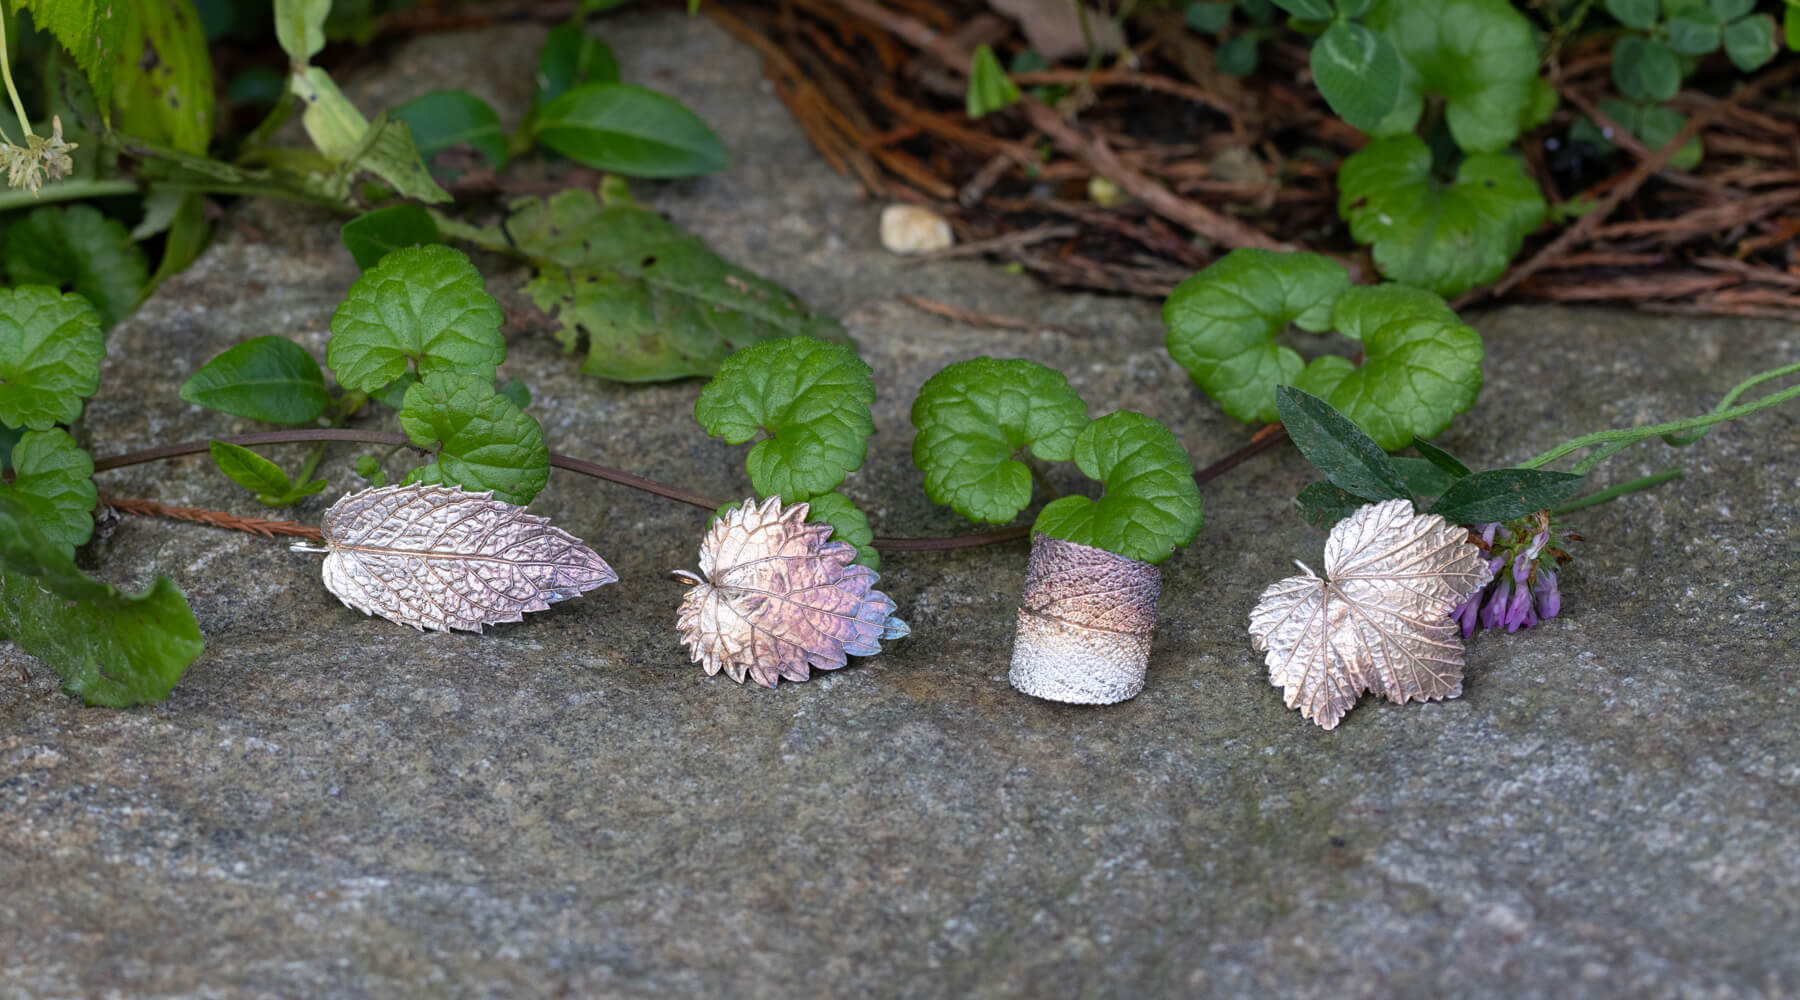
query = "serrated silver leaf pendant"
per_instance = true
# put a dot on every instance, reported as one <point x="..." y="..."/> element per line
<point x="440" y="558"/>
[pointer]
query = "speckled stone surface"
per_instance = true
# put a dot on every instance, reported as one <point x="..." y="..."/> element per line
<point x="333" y="806"/>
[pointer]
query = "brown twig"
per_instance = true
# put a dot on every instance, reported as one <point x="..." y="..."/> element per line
<point x="261" y="527"/>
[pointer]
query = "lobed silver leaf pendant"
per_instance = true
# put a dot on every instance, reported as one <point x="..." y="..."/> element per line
<point x="437" y="557"/>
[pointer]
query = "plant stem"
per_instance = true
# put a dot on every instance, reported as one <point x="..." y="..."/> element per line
<point x="12" y="91"/>
<point x="1615" y="492"/>
<point x="1268" y="436"/>
<point x="66" y="191"/>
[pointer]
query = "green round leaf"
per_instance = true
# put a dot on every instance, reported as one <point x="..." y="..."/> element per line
<point x="1751" y="42"/>
<point x="1448" y="239"/>
<point x="1695" y="31"/>
<point x="811" y="396"/>
<point x="263" y="378"/>
<point x="1639" y="14"/>
<point x="50" y="351"/>
<point x="1151" y="504"/>
<point x="1731" y="10"/>
<point x="976" y="417"/>
<point x="1223" y="322"/>
<point x="483" y="440"/>
<point x="446" y="118"/>
<point x="76" y="248"/>
<point x="630" y="130"/>
<point x="55" y="482"/>
<point x="1421" y="367"/>
<point x="1358" y="72"/>
<point x="426" y="305"/>
<point x="1481" y="56"/>
<point x="1645" y="69"/>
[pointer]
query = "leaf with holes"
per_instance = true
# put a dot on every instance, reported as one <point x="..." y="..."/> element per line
<point x="775" y="598"/>
<point x="1380" y="619"/>
<point x="436" y="557"/>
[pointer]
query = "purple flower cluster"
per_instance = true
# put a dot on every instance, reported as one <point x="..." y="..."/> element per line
<point x="1523" y="562"/>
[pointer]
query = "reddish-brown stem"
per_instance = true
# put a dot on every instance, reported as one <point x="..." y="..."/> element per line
<point x="1264" y="439"/>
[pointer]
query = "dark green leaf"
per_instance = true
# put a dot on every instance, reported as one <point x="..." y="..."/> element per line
<point x="250" y="470"/>
<point x="653" y="301"/>
<point x="50" y="351"/>
<point x="109" y="648"/>
<point x="256" y="85"/>
<point x="1639" y="14"/>
<point x="88" y="29"/>
<point x="629" y="130"/>
<point x="1695" y="31"/>
<point x="1306" y="10"/>
<point x="516" y="390"/>
<point x="1208" y="18"/>
<point x="1731" y="10"/>
<point x="990" y="89"/>
<point x="164" y="92"/>
<point x="1358" y="72"/>
<point x="1440" y="458"/>
<point x="1223" y="322"/>
<point x="1645" y="69"/>
<point x="1481" y="56"/>
<point x="373" y="235"/>
<point x="1339" y="449"/>
<point x="394" y="393"/>
<point x="77" y="249"/>
<point x="1422" y="364"/>
<point x="55" y="482"/>
<point x="1323" y="505"/>
<point x="483" y="441"/>
<point x="1751" y="42"/>
<point x="446" y="118"/>
<point x="571" y="57"/>
<point x="1503" y="494"/>
<point x="188" y="234"/>
<point x="1151" y="504"/>
<point x="1238" y="56"/>
<point x="264" y="378"/>
<point x="810" y="396"/>
<point x="1448" y="239"/>
<point x="426" y="305"/>
<point x="975" y="418"/>
<point x="1421" y="477"/>
<point x="1258" y="11"/>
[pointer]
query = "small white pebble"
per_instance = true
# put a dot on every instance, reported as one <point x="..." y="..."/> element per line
<point x="912" y="229"/>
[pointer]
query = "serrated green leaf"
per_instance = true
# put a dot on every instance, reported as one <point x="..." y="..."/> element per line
<point x="300" y="27"/>
<point x="1639" y="14"/>
<point x="1751" y="42"/>
<point x="848" y="524"/>
<point x="1448" y="239"/>
<point x="630" y="130"/>
<point x="1645" y="69"/>
<point x="250" y="470"/>
<point x="373" y="235"/>
<point x="1481" y="56"/>
<point x="1421" y="367"/>
<point x="90" y="29"/>
<point x="55" y="482"/>
<point x="653" y="301"/>
<point x="990" y="89"/>
<point x="50" y="351"/>
<point x="109" y="648"/>
<point x="571" y="57"/>
<point x="483" y="441"/>
<point x="1342" y="452"/>
<point x="76" y="248"/>
<point x="976" y="417"/>
<point x="1151" y="504"/>
<point x="1223" y="322"/>
<point x="1503" y="494"/>
<point x="1323" y="505"/>
<point x="1653" y="125"/>
<point x="164" y="92"/>
<point x="812" y="398"/>
<point x="264" y="378"/>
<point x="1358" y="72"/>
<point x="1450" y="464"/>
<point x="445" y="118"/>
<point x="424" y="305"/>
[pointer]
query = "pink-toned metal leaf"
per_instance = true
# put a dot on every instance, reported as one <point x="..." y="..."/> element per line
<point x="436" y="557"/>
<point x="1380" y="622"/>
<point x="777" y="598"/>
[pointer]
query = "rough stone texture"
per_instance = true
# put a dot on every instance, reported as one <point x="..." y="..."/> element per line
<point x="331" y="805"/>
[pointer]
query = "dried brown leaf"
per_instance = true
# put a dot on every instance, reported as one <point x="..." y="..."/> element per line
<point x="1380" y="621"/>
<point x="436" y="557"/>
<point x="775" y="598"/>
